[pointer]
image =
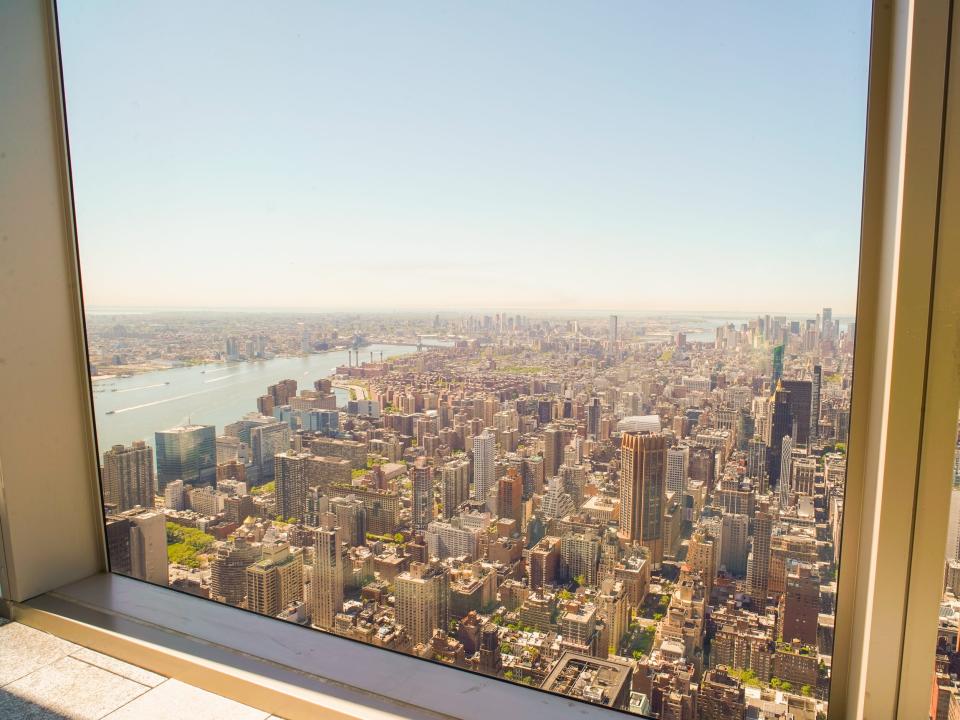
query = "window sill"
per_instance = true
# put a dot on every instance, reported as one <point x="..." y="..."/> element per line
<point x="274" y="666"/>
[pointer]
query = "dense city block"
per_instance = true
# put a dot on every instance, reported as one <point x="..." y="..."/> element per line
<point x="634" y="512"/>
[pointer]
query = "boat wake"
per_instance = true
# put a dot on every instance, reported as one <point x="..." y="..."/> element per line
<point x="141" y="387"/>
<point x="158" y="402"/>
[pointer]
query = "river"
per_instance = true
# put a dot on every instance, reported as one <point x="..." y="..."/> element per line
<point x="213" y="394"/>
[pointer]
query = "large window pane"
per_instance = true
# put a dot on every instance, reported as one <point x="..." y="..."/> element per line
<point x="515" y="337"/>
<point x="946" y="691"/>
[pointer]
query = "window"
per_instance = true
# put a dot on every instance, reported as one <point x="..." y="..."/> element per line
<point x="946" y="693"/>
<point x="517" y="339"/>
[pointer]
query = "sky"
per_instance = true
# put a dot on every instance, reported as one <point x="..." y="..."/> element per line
<point x="635" y="156"/>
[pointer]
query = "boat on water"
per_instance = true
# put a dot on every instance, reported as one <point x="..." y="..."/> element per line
<point x="110" y="412"/>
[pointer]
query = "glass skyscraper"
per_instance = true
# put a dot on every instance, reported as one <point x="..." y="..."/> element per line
<point x="187" y="453"/>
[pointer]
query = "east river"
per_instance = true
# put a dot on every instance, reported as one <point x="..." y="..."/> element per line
<point x="214" y="394"/>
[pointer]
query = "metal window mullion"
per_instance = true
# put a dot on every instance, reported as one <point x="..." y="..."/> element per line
<point x="901" y="181"/>
<point x="939" y="426"/>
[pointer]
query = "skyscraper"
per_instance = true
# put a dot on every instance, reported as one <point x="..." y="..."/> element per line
<point x="128" y="476"/>
<point x="678" y="465"/>
<point x="552" y="451"/>
<point x="187" y="453"/>
<point x="291" y="484"/>
<point x="483" y="465"/>
<point x="826" y="323"/>
<point x="815" y="386"/>
<point x="786" y="461"/>
<point x="642" y="480"/>
<point x="780" y="424"/>
<point x="326" y="585"/>
<point x="137" y="543"/>
<point x="758" y="580"/>
<point x="268" y="436"/>
<point x="593" y="418"/>
<point x="423" y="504"/>
<point x="777" y="363"/>
<point x="801" y="606"/>
<point x="757" y="463"/>
<point x="275" y="581"/>
<point x="422" y="600"/>
<point x="509" y="496"/>
<point x="953" y="526"/>
<point x="801" y="403"/>
<point x="228" y="578"/>
<point x="454" y="486"/>
<point x="613" y="336"/>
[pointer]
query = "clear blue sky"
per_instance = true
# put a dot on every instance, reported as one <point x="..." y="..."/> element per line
<point x="436" y="155"/>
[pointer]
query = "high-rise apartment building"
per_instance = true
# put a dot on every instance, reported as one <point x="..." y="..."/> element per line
<point x="678" y="467"/>
<point x="228" y="568"/>
<point x="454" y="486"/>
<point x="128" y="476"/>
<point x="423" y="503"/>
<point x="642" y="480"/>
<point x="510" y="497"/>
<point x="174" y="495"/>
<point x="137" y="543"/>
<point x="351" y="517"/>
<point x="702" y="557"/>
<point x="268" y="436"/>
<point x="801" y="606"/>
<point x="275" y="581"/>
<point x="187" y="453"/>
<point x="734" y="543"/>
<point x="291" y="484"/>
<point x="326" y="585"/>
<point x="953" y="526"/>
<point x="580" y="557"/>
<point x="484" y="470"/>
<point x="757" y="463"/>
<point x="758" y="579"/>
<point x="422" y="600"/>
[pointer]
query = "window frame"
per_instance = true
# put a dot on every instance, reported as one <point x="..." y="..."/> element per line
<point x="907" y="339"/>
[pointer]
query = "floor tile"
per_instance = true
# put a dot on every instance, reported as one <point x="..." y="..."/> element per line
<point x="174" y="699"/>
<point x="73" y="689"/>
<point x="119" y="667"/>
<point x="23" y="650"/>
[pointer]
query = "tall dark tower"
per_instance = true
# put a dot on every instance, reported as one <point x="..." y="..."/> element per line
<point x="643" y="477"/>
<point x="781" y="424"/>
<point x="801" y="397"/>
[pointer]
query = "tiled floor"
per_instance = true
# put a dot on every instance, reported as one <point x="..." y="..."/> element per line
<point x="45" y="678"/>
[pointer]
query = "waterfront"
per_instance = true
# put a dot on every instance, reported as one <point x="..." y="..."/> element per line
<point x="210" y="394"/>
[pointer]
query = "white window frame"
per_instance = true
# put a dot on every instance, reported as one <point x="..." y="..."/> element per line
<point x="903" y="414"/>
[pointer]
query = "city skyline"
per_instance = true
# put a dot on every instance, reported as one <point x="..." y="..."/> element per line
<point x="514" y="171"/>
<point x="608" y="509"/>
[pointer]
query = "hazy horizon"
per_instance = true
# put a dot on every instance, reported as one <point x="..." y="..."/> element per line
<point x="581" y="312"/>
